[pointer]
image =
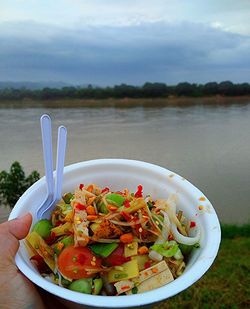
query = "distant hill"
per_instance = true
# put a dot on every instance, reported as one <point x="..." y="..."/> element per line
<point x="33" y="85"/>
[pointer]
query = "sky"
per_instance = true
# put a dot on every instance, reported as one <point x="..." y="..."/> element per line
<point x="131" y="41"/>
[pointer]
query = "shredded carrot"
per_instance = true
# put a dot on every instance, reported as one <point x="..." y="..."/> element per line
<point x="92" y="217"/>
<point x="125" y="287"/>
<point x="143" y="250"/>
<point x="91" y="200"/>
<point x="90" y="210"/>
<point x="154" y="270"/>
<point x="90" y="188"/>
<point x="112" y="207"/>
<point x="127" y="238"/>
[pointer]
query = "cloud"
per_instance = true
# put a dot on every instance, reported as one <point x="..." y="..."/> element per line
<point x="159" y="51"/>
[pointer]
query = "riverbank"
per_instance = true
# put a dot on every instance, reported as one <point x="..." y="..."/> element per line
<point x="127" y="102"/>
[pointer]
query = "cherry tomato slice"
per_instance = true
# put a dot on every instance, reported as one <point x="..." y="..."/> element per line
<point x="73" y="262"/>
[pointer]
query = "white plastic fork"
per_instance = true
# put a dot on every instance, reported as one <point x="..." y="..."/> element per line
<point x="45" y="209"/>
<point x="45" y="122"/>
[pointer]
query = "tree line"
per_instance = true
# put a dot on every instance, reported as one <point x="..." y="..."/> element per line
<point x="148" y="90"/>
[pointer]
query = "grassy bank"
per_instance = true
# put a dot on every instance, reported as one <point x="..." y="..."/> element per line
<point x="126" y="102"/>
<point x="227" y="283"/>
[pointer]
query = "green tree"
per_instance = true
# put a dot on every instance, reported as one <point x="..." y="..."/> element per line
<point x="15" y="183"/>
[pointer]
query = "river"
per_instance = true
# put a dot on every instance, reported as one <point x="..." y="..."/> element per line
<point x="208" y="145"/>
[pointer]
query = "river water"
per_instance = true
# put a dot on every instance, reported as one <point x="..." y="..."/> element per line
<point x="208" y="145"/>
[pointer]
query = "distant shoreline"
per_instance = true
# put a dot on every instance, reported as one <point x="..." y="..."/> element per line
<point x="127" y="102"/>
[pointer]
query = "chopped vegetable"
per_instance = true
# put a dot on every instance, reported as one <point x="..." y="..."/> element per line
<point x="130" y="270"/>
<point x="127" y="238"/>
<point x="130" y="249"/>
<point x="63" y="243"/>
<point x="167" y="249"/>
<point x="142" y="260"/>
<point x="98" y="284"/>
<point x="43" y="228"/>
<point x="103" y="208"/>
<point x="40" y="246"/>
<point x="63" y="229"/>
<point x="67" y="197"/>
<point x="103" y="250"/>
<point x="143" y="250"/>
<point x="78" y="262"/>
<point x="135" y="205"/>
<point x="82" y="286"/>
<point x="115" y="199"/>
<point x="117" y="257"/>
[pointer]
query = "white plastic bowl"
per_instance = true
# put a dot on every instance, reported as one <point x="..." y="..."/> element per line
<point x="158" y="182"/>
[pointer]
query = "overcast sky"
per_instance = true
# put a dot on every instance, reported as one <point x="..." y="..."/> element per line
<point x="130" y="41"/>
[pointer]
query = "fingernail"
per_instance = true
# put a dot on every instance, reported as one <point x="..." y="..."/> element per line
<point x="24" y="216"/>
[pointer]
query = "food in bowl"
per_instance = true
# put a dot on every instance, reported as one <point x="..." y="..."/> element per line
<point x="100" y="241"/>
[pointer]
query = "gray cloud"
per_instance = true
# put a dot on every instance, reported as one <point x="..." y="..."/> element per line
<point x="133" y="54"/>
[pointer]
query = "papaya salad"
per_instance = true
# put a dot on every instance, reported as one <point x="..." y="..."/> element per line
<point x="105" y="242"/>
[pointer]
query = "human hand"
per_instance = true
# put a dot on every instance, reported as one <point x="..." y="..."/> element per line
<point x="16" y="291"/>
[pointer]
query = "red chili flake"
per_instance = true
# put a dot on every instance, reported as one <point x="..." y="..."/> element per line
<point x="125" y="215"/>
<point x="147" y="265"/>
<point x="105" y="190"/>
<point x="81" y="259"/>
<point x="80" y="206"/>
<point x="138" y="193"/>
<point x="126" y="203"/>
<point x="170" y="237"/>
<point x="192" y="224"/>
<point x="81" y="186"/>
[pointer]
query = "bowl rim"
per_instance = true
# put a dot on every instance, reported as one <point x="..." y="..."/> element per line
<point x="195" y="272"/>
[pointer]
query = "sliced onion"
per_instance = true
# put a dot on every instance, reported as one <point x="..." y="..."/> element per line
<point x="166" y="226"/>
<point x="171" y="211"/>
<point x="185" y="240"/>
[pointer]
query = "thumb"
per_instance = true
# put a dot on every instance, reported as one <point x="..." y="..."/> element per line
<point x="19" y="227"/>
<point x="11" y="232"/>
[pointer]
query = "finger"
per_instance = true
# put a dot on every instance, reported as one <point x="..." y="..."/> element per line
<point x="19" y="227"/>
<point x="10" y="234"/>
